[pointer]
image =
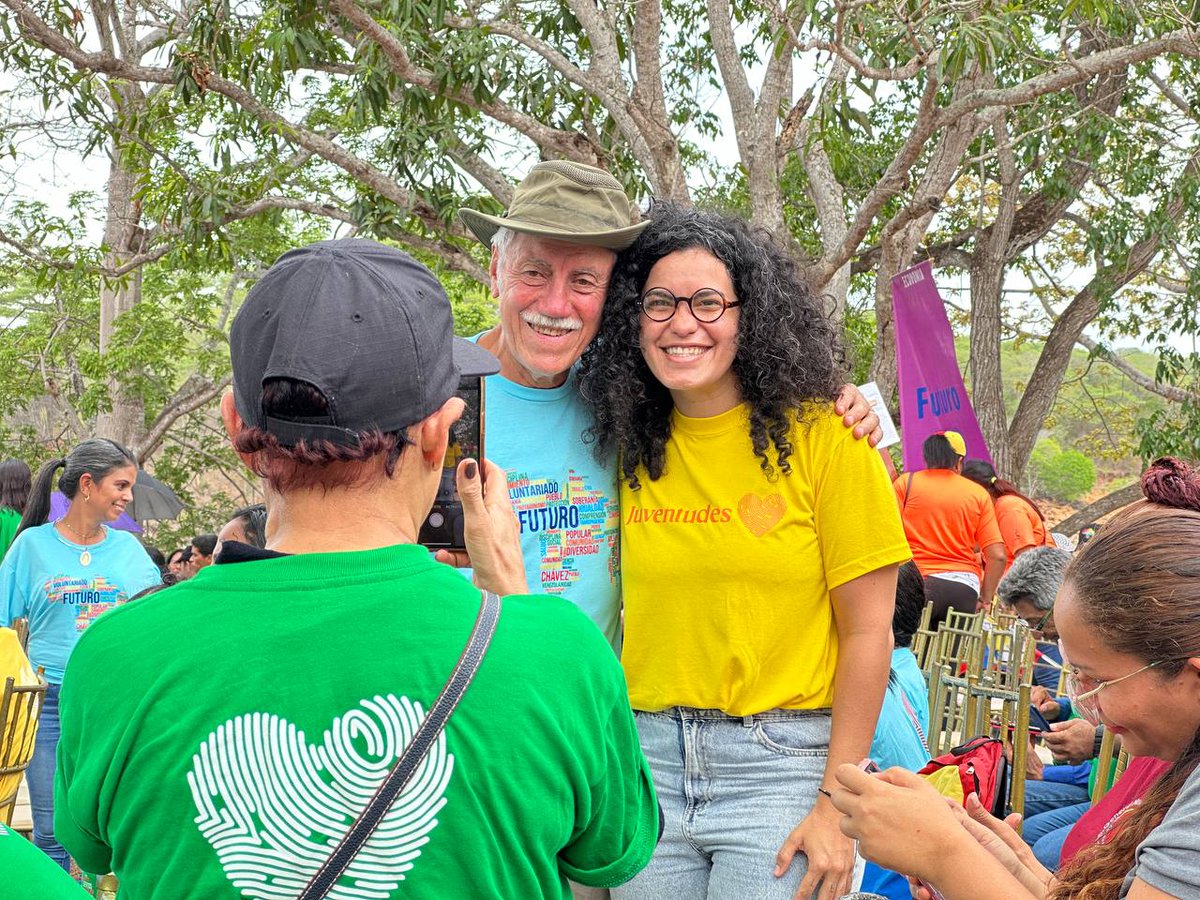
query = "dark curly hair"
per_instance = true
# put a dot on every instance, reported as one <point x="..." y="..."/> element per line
<point x="788" y="354"/>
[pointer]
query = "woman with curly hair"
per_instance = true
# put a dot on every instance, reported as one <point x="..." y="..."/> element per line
<point x="759" y="548"/>
<point x="1128" y="615"/>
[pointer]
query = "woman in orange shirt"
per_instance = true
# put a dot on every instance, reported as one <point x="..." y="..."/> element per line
<point x="1022" y="524"/>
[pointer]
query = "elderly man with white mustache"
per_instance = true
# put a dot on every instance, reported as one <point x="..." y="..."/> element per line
<point x="552" y="254"/>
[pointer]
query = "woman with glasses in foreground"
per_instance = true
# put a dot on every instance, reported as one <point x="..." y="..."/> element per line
<point x="759" y="548"/>
<point x="1128" y="616"/>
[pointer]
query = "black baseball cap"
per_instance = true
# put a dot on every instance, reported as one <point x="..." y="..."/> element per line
<point x="366" y="325"/>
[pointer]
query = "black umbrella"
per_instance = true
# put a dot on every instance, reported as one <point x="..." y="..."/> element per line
<point x="152" y="499"/>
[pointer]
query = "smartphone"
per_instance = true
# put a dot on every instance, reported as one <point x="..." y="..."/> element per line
<point x="1035" y="733"/>
<point x="868" y="765"/>
<point x="1036" y="718"/>
<point x="443" y="526"/>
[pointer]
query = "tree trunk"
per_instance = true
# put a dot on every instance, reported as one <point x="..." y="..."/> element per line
<point x="125" y="420"/>
<point x="1090" y="513"/>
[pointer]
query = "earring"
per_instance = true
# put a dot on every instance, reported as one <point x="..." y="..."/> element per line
<point x="87" y="497"/>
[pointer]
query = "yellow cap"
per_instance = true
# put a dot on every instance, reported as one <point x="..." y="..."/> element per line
<point x="957" y="444"/>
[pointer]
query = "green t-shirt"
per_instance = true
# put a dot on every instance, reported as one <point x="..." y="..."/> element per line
<point x="219" y="736"/>
<point x="9" y="520"/>
<point x="30" y="873"/>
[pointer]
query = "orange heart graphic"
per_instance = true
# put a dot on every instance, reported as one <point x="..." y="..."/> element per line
<point x="761" y="514"/>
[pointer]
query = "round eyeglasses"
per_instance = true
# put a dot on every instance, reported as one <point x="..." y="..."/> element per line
<point x="707" y="304"/>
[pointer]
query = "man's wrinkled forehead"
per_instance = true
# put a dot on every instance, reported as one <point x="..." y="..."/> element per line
<point x="524" y="249"/>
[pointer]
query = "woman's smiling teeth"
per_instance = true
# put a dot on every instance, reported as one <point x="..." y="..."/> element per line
<point x="684" y="352"/>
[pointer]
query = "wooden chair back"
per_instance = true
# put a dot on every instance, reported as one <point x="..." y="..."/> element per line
<point x="21" y="627"/>
<point x="926" y="616"/>
<point x="952" y="707"/>
<point x="1003" y="713"/>
<point x="20" y="708"/>
<point x="955" y="647"/>
<point x="1103" y="766"/>
<point x="1007" y="657"/>
<point x="922" y="648"/>
<point x="964" y="621"/>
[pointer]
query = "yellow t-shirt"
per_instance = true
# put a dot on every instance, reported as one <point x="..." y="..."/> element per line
<point x="726" y="575"/>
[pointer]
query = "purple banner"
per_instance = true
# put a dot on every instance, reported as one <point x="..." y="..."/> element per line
<point x="932" y="395"/>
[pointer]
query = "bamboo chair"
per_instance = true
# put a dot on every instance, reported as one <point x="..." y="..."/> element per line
<point x="952" y="708"/>
<point x="1003" y="713"/>
<point x="20" y="707"/>
<point x="922" y="640"/>
<point x="957" y="651"/>
<point x="965" y="621"/>
<point x="926" y="616"/>
<point x="1004" y="621"/>
<point x="1103" y="765"/>
<point x="957" y="646"/>
<point x="1122" y="765"/>
<point x="21" y="627"/>
<point x="922" y="648"/>
<point x="1006" y="660"/>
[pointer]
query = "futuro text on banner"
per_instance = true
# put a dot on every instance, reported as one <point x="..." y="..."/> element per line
<point x="932" y="395"/>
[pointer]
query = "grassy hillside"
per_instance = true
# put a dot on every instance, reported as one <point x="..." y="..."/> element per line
<point x="1097" y="406"/>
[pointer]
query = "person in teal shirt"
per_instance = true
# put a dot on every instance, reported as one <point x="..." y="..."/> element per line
<point x="60" y="576"/>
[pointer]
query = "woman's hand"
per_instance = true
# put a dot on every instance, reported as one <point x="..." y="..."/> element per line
<point x="490" y="530"/>
<point x="856" y="413"/>
<point x="898" y="819"/>
<point x="999" y="837"/>
<point x="830" y="853"/>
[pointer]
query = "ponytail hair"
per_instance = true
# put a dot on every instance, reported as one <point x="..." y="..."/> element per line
<point x="1137" y="585"/>
<point x="96" y="457"/>
<point x="983" y="473"/>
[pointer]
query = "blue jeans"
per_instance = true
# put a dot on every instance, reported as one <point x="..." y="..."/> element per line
<point x="40" y="778"/>
<point x="1046" y="833"/>
<point x="731" y="790"/>
<point x="1044" y="796"/>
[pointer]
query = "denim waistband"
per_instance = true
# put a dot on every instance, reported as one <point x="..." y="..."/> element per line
<point x="678" y="713"/>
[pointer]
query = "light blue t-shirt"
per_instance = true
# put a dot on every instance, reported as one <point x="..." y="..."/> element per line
<point x="899" y="742"/>
<point x="565" y="501"/>
<point x="43" y="580"/>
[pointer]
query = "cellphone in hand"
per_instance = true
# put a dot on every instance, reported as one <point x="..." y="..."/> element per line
<point x="443" y="526"/>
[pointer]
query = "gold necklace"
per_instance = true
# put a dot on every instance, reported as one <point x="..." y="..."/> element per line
<point x="85" y="556"/>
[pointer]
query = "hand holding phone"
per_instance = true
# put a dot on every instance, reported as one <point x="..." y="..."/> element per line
<point x="444" y="525"/>
<point x="492" y="533"/>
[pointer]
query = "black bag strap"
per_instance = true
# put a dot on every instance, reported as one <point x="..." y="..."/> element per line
<point x="335" y="866"/>
<point x="907" y="490"/>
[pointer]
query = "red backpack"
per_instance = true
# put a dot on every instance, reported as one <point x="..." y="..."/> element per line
<point x="978" y="767"/>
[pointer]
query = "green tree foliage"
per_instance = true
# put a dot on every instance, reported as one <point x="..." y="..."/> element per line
<point x="1004" y="142"/>
<point x="1066" y="475"/>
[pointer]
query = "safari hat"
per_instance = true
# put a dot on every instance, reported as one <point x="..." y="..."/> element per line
<point x="567" y="201"/>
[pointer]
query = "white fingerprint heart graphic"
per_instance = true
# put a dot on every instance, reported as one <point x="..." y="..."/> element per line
<point x="274" y="807"/>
